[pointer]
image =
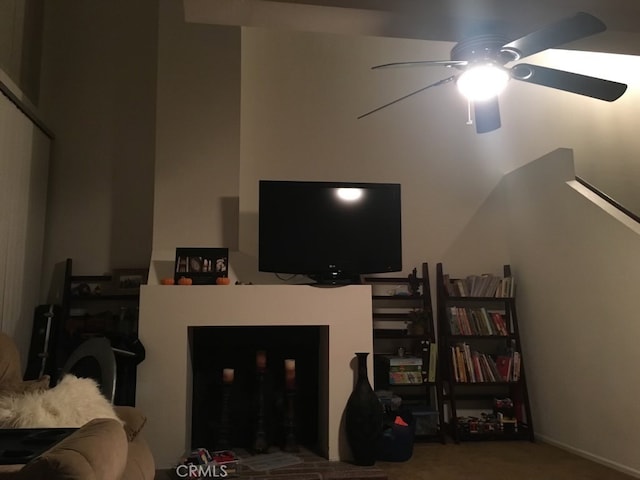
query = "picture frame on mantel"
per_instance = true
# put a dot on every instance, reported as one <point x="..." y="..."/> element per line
<point x="202" y="265"/>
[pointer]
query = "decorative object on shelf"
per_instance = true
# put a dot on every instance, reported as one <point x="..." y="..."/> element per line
<point x="363" y="417"/>
<point x="204" y="266"/>
<point x="127" y="281"/>
<point x="419" y="319"/>
<point x="224" y="431"/>
<point x="413" y="283"/>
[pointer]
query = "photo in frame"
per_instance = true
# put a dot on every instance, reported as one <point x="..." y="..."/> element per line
<point x="202" y="265"/>
<point x="127" y="281"/>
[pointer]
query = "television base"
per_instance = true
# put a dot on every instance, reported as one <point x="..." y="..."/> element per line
<point x="334" y="280"/>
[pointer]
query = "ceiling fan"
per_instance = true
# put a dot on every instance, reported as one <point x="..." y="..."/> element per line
<point x="482" y="61"/>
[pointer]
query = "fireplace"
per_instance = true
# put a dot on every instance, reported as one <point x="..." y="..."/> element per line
<point x="165" y="379"/>
<point x="214" y="349"/>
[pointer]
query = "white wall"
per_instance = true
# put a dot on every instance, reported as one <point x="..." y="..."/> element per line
<point x="577" y="269"/>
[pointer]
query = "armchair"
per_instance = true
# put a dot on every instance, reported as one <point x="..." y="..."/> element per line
<point x="102" y="449"/>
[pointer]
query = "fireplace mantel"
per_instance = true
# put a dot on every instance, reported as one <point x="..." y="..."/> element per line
<point x="164" y="377"/>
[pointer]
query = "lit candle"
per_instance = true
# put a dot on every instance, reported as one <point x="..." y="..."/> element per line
<point x="261" y="360"/>
<point x="227" y="375"/>
<point x="290" y="373"/>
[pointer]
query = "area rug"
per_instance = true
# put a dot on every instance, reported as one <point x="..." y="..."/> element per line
<point x="270" y="461"/>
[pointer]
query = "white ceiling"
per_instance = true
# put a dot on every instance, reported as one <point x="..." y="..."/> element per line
<point x="446" y="20"/>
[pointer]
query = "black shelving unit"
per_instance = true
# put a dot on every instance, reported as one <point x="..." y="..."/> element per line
<point x="481" y="358"/>
<point x="403" y="328"/>
<point x="92" y="306"/>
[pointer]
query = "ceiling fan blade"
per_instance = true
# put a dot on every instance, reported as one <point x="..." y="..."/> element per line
<point x="555" y="34"/>
<point x="439" y="82"/>
<point x="423" y="63"/>
<point x="487" y="115"/>
<point x="570" y="82"/>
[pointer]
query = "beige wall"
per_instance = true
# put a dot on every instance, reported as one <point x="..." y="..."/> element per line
<point x="197" y="135"/>
<point x="300" y="99"/>
<point x="98" y="96"/>
<point x="21" y="44"/>
<point x="302" y="92"/>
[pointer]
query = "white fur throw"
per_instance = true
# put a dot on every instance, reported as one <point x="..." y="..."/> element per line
<point x="71" y="403"/>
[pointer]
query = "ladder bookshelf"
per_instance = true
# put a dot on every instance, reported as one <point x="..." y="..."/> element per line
<point x="483" y="375"/>
<point x="405" y="348"/>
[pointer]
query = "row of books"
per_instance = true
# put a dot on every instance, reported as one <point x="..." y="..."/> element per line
<point x="485" y="285"/>
<point x="413" y="370"/>
<point x="471" y="366"/>
<point x="477" y="321"/>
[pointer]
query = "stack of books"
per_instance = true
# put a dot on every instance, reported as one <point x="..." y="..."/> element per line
<point x="405" y="370"/>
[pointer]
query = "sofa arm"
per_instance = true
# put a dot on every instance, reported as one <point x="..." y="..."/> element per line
<point x="97" y="451"/>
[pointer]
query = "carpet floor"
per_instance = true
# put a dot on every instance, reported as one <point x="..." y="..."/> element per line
<point x="496" y="461"/>
<point x="518" y="460"/>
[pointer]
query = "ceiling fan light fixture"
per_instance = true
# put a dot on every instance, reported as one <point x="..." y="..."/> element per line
<point x="482" y="81"/>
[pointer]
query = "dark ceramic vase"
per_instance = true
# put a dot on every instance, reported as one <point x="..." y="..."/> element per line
<point x="363" y="417"/>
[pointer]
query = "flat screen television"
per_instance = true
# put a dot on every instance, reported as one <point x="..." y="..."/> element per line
<point x="332" y="232"/>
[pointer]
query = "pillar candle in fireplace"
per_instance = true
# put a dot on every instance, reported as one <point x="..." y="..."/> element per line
<point x="227" y="375"/>
<point x="261" y="360"/>
<point x="290" y="373"/>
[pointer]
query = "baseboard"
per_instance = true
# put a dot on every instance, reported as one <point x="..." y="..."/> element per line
<point x="589" y="456"/>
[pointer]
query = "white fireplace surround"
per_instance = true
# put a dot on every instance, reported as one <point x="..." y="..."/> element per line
<point x="164" y="377"/>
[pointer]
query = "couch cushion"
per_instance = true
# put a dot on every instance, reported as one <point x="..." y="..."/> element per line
<point x="140" y="463"/>
<point x="133" y="420"/>
<point x="97" y="451"/>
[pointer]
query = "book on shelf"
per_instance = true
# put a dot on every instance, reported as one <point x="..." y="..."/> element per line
<point x="484" y="285"/>
<point x="477" y="321"/>
<point x="408" y="360"/>
<point x="405" y="376"/>
<point x="472" y="366"/>
<point x="433" y="359"/>
<point x="390" y="325"/>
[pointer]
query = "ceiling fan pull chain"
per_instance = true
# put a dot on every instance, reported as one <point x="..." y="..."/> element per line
<point x="469" y="120"/>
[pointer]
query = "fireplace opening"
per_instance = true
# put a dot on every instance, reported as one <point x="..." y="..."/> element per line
<point x="214" y="349"/>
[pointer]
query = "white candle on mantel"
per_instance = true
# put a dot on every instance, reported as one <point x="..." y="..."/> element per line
<point x="290" y="373"/>
<point x="227" y="375"/>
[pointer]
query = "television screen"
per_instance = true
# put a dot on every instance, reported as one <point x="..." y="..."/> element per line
<point x="330" y="231"/>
